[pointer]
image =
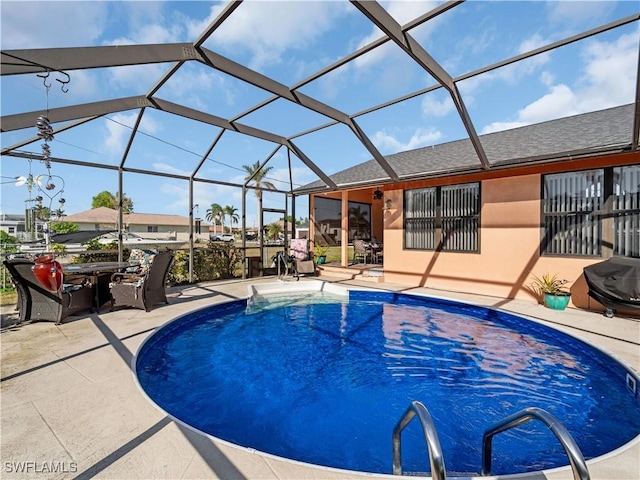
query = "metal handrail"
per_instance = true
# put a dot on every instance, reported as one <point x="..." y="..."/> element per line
<point x="576" y="459"/>
<point x="431" y="436"/>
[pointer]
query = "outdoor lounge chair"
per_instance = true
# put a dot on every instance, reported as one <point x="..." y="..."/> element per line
<point x="37" y="303"/>
<point x="143" y="290"/>
<point x="360" y="251"/>
<point x="304" y="264"/>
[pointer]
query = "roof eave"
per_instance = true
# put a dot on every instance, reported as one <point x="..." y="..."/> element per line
<point x="501" y="165"/>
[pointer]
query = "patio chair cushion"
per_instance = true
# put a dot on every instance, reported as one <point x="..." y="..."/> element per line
<point x="300" y="248"/>
<point x="140" y="260"/>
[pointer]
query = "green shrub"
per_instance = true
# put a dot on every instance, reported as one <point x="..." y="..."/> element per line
<point x="8" y="243"/>
<point x="215" y="262"/>
<point x="58" y="248"/>
<point x="95" y="252"/>
<point x="5" y="279"/>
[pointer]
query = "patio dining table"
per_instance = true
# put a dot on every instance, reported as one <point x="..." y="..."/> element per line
<point x="375" y="250"/>
<point x="99" y="274"/>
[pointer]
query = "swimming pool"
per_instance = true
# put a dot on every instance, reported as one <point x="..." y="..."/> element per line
<point x="326" y="383"/>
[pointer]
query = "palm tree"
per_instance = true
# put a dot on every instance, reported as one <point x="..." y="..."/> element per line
<point x="231" y="212"/>
<point x="274" y="230"/>
<point x="358" y="217"/>
<point x="258" y="180"/>
<point x="214" y="214"/>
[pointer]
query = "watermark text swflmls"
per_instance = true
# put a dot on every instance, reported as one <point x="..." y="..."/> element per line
<point x="30" y="466"/>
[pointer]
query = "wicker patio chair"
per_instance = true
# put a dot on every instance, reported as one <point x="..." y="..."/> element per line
<point x="360" y="251"/>
<point x="142" y="290"/>
<point x="37" y="303"/>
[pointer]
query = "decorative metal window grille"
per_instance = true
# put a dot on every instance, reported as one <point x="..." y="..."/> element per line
<point x="442" y="218"/>
<point x="420" y="207"/>
<point x="584" y="211"/>
<point x="572" y="203"/>
<point x="460" y="217"/>
<point x="626" y="211"/>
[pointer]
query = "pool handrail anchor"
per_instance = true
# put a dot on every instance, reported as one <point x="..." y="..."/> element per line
<point x="576" y="459"/>
<point x="436" y="458"/>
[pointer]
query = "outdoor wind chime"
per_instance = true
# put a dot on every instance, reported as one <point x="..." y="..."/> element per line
<point x="47" y="269"/>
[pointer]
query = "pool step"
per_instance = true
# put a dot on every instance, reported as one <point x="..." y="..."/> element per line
<point x="367" y="273"/>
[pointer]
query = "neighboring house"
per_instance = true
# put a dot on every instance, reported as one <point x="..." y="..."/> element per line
<point x="147" y="225"/>
<point x="14" y="225"/>
<point x="557" y="196"/>
<point x="302" y="230"/>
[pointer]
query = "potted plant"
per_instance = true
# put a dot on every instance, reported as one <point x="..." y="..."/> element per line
<point x="320" y="254"/>
<point x="552" y="291"/>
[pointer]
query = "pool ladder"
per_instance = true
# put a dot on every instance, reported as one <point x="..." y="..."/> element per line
<point x="436" y="459"/>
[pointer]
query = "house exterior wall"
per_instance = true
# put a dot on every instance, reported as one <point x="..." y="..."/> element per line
<point x="510" y="236"/>
<point x="509" y="246"/>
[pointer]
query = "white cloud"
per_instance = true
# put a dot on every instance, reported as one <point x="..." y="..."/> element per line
<point x="516" y="72"/>
<point x="402" y="12"/>
<point x="167" y="168"/>
<point x="608" y="79"/>
<point x="547" y="78"/>
<point x="513" y="74"/>
<point x="194" y="85"/>
<point x="150" y="34"/>
<point x="500" y="126"/>
<point x="576" y="13"/>
<point x="432" y="107"/>
<point x="266" y="30"/>
<point x="116" y="133"/>
<point x="129" y="77"/>
<point x="176" y="194"/>
<point x="38" y="25"/>
<point x="119" y="130"/>
<point x="387" y="143"/>
<point x="82" y="87"/>
<point x="610" y="75"/>
<point x="559" y="102"/>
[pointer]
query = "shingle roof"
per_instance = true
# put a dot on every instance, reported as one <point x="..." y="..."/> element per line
<point x="602" y="131"/>
<point x="104" y="215"/>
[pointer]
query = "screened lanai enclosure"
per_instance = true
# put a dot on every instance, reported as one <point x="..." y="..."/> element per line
<point x="170" y="107"/>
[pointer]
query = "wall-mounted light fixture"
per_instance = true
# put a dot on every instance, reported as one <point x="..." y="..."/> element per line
<point x="377" y="195"/>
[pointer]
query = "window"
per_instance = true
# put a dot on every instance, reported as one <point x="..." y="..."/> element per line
<point x="152" y="228"/>
<point x="12" y="229"/>
<point x="442" y="218"/>
<point x="578" y="219"/>
<point x="328" y="220"/>
<point x="570" y="205"/>
<point x="626" y="211"/>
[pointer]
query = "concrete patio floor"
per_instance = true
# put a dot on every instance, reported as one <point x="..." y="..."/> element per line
<point x="70" y="406"/>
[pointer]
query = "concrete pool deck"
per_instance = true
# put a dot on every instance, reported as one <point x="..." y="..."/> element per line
<point x="71" y="408"/>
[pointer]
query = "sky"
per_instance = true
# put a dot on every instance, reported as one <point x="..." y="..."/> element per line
<point x="290" y="41"/>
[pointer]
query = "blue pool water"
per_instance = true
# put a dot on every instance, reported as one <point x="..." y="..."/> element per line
<point x="325" y="383"/>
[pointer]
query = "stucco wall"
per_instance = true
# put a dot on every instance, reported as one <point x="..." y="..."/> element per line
<point x="509" y="247"/>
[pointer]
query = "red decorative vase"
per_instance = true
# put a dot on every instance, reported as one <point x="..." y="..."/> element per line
<point x="48" y="272"/>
